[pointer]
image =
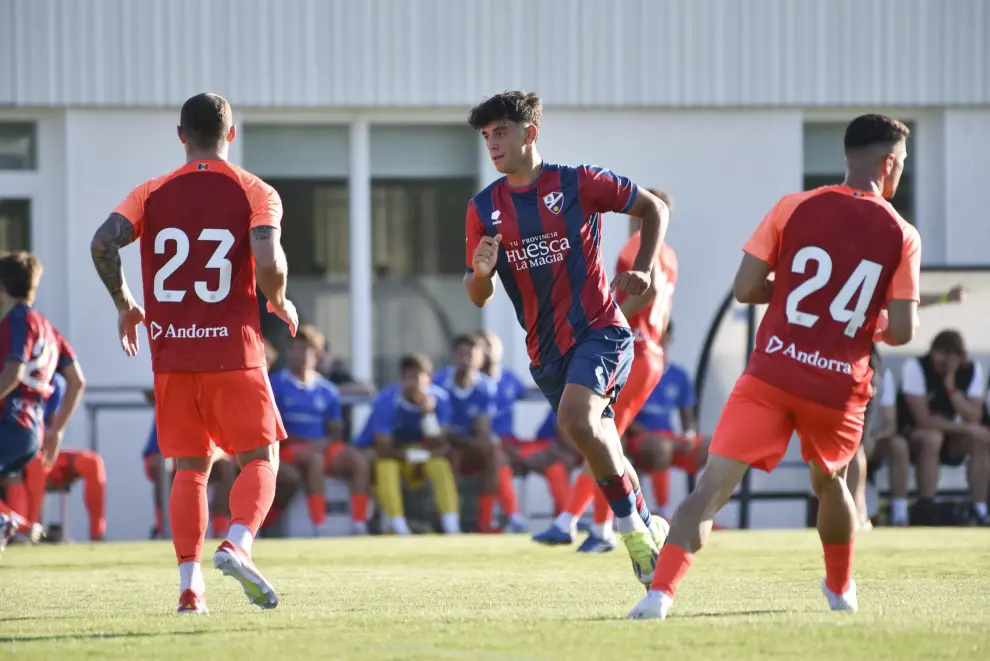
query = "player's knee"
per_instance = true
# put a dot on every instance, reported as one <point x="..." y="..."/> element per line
<point x="576" y="423"/>
<point x="929" y="441"/>
<point x="979" y="436"/>
<point x="824" y="483"/>
<point x="90" y="466"/>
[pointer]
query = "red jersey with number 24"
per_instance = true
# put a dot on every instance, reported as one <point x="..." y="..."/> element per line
<point x="196" y="262"/>
<point x="839" y="255"/>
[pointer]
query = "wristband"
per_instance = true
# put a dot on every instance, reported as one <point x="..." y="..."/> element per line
<point x="430" y="426"/>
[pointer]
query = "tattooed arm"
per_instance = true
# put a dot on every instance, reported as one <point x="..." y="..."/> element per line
<point x="270" y="266"/>
<point x="115" y="233"/>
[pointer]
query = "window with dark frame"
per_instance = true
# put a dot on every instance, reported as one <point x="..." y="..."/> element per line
<point x="15" y="224"/>
<point x="417" y="225"/>
<point x="18" y="146"/>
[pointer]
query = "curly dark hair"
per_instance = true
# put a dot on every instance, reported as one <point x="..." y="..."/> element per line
<point x="874" y="129"/>
<point x="513" y="105"/>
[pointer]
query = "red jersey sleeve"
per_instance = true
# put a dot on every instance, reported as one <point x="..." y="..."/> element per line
<point x="66" y="355"/>
<point x="603" y="191"/>
<point x="132" y="208"/>
<point x="266" y="205"/>
<point x="906" y="283"/>
<point x="474" y="229"/>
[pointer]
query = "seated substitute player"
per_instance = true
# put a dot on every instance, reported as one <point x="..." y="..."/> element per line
<point x="71" y="465"/>
<point x="539" y="229"/>
<point x="940" y="410"/>
<point x="665" y="433"/>
<point x="839" y="254"/>
<point x="886" y="445"/>
<point x="509" y="390"/>
<point x="648" y="314"/>
<point x="311" y="411"/>
<point x="408" y="429"/>
<point x="209" y="236"/>
<point x="553" y="457"/>
<point x="473" y="445"/>
<point x="34" y="352"/>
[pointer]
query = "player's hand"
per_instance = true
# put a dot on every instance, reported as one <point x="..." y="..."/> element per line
<point x="127" y="328"/>
<point x="956" y="295"/>
<point x="287" y="313"/>
<point x="632" y="282"/>
<point x="953" y="364"/>
<point x="50" y="447"/>
<point x="486" y="255"/>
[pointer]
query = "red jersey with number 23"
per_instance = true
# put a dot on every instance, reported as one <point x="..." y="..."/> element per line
<point x="196" y="262"/>
<point x="839" y="255"/>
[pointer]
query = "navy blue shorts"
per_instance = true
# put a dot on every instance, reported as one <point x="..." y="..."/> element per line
<point x="18" y="446"/>
<point x="601" y="362"/>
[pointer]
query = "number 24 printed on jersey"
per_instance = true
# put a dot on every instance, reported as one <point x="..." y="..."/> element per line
<point x="864" y="279"/>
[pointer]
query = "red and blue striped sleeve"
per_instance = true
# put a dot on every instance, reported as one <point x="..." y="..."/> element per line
<point x="473" y="231"/>
<point x="66" y="355"/>
<point x="603" y="191"/>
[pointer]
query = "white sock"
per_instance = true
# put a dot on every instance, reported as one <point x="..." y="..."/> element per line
<point x="450" y="523"/>
<point x="240" y="536"/>
<point x="980" y="509"/>
<point x="359" y="528"/>
<point x="399" y="526"/>
<point x="630" y="523"/>
<point x="602" y="530"/>
<point x="566" y="522"/>
<point x="191" y="577"/>
<point x="517" y="519"/>
<point x="899" y="510"/>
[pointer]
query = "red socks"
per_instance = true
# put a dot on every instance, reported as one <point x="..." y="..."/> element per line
<point x="317" y="505"/>
<point x="582" y="494"/>
<point x="486" y="509"/>
<point x="35" y="479"/>
<point x="559" y="481"/>
<point x="189" y="514"/>
<point x="221" y="525"/>
<point x="89" y="465"/>
<point x="673" y="564"/>
<point x="661" y="487"/>
<point x="507" y="492"/>
<point x="17" y="499"/>
<point x="359" y="507"/>
<point x="838" y="566"/>
<point x="252" y="495"/>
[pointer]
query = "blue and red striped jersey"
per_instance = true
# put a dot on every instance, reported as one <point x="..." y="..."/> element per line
<point x="26" y="336"/>
<point x="550" y="258"/>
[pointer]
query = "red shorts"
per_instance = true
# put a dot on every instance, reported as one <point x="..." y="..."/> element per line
<point x="758" y="421"/>
<point x="646" y="372"/>
<point x="199" y="411"/>
<point x="287" y="451"/>
<point x="63" y="471"/>
<point x="686" y="455"/>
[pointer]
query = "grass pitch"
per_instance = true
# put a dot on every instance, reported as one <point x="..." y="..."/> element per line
<point x="924" y="594"/>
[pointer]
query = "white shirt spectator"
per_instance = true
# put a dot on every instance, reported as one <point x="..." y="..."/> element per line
<point x="913" y="379"/>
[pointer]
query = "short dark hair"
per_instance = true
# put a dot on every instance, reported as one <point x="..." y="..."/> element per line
<point x="874" y="129"/>
<point x="311" y="335"/>
<point x="467" y="340"/>
<point x="417" y="362"/>
<point x="665" y="197"/>
<point x="949" y="341"/>
<point x="514" y="105"/>
<point x="206" y="120"/>
<point x="20" y="274"/>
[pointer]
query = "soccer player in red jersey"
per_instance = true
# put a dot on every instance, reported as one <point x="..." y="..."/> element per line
<point x="33" y="352"/>
<point x="839" y="255"/>
<point x="209" y="234"/>
<point x="539" y="229"/>
<point x="648" y="314"/>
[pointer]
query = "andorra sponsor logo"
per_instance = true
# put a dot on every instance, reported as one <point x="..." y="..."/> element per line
<point x="192" y="332"/>
<point x="814" y="359"/>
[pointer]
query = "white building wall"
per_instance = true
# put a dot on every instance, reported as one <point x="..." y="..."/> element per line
<point x="966" y="226"/>
<point x="449" y="53"/>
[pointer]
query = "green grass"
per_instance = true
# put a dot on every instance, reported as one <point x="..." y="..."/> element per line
<point x="924" y="594"/>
